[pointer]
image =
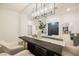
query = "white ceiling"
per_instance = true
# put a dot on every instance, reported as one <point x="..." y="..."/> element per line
<point x="28" y="7"/>
<point x="13" y="6"/>
<point x="61" y="7"/>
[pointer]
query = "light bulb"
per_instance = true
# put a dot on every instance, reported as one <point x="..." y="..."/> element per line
<point x="38" y="13"/>
<point x="45" y="9"/>
<point x="51" y="7"/>
<point x="42" y="11"/>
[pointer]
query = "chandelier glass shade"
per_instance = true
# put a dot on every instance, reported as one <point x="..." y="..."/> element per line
<point x="44" y="11"/>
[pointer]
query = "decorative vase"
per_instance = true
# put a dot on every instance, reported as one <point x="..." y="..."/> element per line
<point x="39" y="34"/>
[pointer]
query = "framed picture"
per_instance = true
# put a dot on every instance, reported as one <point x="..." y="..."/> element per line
<point x="65" y="30"/>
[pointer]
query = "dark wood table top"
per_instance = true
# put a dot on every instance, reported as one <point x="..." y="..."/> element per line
<point x="50" y="46"/>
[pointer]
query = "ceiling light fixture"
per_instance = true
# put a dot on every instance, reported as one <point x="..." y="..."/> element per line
<point x="43" y="11"/>
<point x="68" y="9"/>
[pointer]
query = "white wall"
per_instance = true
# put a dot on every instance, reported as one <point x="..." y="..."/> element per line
<point x="25" y="22"/>
<point x="9" y="25"/>
<point x="72" y="18"/>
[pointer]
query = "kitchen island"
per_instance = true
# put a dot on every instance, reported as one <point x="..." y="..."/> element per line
<point x="43" y="46"/>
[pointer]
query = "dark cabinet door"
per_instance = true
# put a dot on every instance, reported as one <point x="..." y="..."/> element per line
<point x="31" y="47"/>
<point x="39" y="51"/>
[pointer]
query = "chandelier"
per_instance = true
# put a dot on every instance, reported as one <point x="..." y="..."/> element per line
<point x="44" y="11"/>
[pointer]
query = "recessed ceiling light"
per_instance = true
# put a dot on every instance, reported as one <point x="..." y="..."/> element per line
<point x="68" y="9"/>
